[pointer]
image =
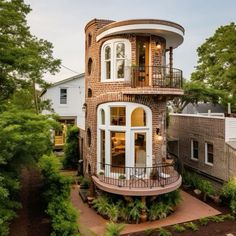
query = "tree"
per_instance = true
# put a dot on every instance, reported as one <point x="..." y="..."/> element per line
<point x="194" y="92"/>
<point x="23" y="57"/>
<point x="25" y="137"/>
<point x="216" y="67"/>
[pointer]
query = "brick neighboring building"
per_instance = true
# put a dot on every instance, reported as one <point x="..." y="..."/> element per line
<point x="127" y="86"/>
<point x="205" y="143"/>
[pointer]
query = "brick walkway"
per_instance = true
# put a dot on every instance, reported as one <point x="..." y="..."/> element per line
<point x="190" y="209"/>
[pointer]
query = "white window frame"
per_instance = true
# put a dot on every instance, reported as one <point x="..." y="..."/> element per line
<point x="127" y="59"/>
<point x="130" y="107"/>
<point x="206" y="154"/>
<point x="66" y="96"/>
<point x="192" y="150"/>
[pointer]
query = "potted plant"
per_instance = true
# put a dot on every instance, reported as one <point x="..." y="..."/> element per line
<point x="122" y="178"/>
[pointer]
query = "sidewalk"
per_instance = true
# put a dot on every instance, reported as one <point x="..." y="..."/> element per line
<point x="189" y="209"/>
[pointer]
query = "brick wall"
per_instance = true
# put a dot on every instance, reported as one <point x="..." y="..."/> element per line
<point x="201" y="129"/>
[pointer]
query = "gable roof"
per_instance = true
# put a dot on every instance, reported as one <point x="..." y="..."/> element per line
<point x="62" y="82"/>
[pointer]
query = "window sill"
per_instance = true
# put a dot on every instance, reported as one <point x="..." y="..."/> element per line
<point x="194" y="159"/>
<point x="208" y="163"/>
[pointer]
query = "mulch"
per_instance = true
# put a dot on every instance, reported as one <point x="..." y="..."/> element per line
<point x="32" y="219"/>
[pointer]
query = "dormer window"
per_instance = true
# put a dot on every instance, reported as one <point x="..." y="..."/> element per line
<point x="115" y="56"/>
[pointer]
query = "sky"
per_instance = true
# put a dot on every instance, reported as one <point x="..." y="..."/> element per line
<point x="62" y="23"/>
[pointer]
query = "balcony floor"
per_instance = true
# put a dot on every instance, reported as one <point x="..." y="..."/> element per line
<point x="142" y="188"/>
<point x="153" y="91"/>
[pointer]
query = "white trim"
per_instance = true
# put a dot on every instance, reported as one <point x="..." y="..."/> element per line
<point x="174" y="37"/>
<point x="206" y="154"/>
<point x="127" y="59"/>
<point x="197" y="116"/>
<point x="129" y="131"/>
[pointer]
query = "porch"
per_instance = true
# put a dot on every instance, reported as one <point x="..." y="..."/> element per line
<point x="138" y="181"/>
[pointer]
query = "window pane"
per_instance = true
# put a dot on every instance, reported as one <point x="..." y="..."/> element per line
<point x="118" y="116"/>
<point x="210" y="158"/>
<point x="138" y="117"/>
<point x="210" y="148"/>
<point x="117" y="151"/>
<point x="103" y="117"/>
<point x="195" y="149"/>
<point x="63" y="96"/>
<point x="107" y="53"/>
<point x="102" y="149"/>
<point x="108" y="69"/>
<point x="120" y="68"/>
<point x="120" y="50"/>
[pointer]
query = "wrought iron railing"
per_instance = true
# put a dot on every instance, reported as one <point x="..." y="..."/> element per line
<point x="155" y="76"/>
<point x="159" y="175"/>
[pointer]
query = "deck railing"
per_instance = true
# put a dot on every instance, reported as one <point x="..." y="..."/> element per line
<point x="155" y="76"/>
<point x="159" y="175"/>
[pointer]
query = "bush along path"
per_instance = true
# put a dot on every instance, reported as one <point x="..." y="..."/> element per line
<point x="32" y="219"/>
<point x="56" y="193"/>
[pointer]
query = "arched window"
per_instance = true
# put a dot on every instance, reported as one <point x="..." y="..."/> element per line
<point x="115" y="57"/>
<point x="90" y="93"/>
<point x="138" y="117"/>
<point x="89" y="137"/>
<point x="90" y="63"/>
<point x="108" y="62"/>
<point x="102" y="117"/>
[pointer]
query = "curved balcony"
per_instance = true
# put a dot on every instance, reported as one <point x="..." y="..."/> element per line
<point x="138" y="181"/>
<point x="154" y="80"/>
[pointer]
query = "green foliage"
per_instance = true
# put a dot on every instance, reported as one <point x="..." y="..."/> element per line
<point x="71" y="147"/>
<point x="57" y="191"/>
<point x="204" y="221"/>
<point x="192" y="226"/>
<point x="206" y="188"/>
<point x="102" y="205"/>
<point x="216" y="64"/>
<point x="229" y="191"/>
<point x="24" y="137"/>
<point x="196" y="182"/>
<point x="23" y="57"/>
<point x="113" y="229"/>
<point x="159" y="210"/>
<point x="228" y="217"/>
<point x="216" y="219"/>
<point x="178" y="228"/>
<point x="163" y="232"/>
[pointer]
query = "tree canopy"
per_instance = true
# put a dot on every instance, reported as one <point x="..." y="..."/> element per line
<point x="23" y="57"/>
<point x="216" y="67"/>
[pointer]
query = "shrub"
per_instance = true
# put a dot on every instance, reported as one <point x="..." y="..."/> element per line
<point x="179" y="228"/>
<point x="135" y="208"/>
<point x="192" y="226"/>
<point x="163" y="232"/>
<point x="159" y="210"/>
<point x="216" y="219"/>
<point x="71" y="148"/>
<point x="113" y="229"/>
<point x="101" y="204"/>
<point x="57" y="191"/>
<point x="204" y="221"/>
<point x="206" y="188"/>
<point x="229" y="191"/>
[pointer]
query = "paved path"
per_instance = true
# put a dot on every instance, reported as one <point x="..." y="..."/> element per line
<point x="31" y="220"/>
<point x="190" y="209"/>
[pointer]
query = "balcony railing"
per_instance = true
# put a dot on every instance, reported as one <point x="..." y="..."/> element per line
<point x="155" y="76"/>
<point x="159" y="175"/>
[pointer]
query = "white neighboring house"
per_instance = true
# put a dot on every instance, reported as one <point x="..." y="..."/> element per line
<point x="67" y="98"/>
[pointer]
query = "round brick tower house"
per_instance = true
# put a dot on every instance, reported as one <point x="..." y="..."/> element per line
<point x="129" y="78"/>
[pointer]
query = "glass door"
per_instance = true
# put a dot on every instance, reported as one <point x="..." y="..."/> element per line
<point x="140" y="152"/>
<point x="142" y="61"/>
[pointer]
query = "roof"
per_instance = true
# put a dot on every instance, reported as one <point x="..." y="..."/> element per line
<point x="232" y="144"/>
<point x="63" y="81"/>
<point x="203" y="108"/>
